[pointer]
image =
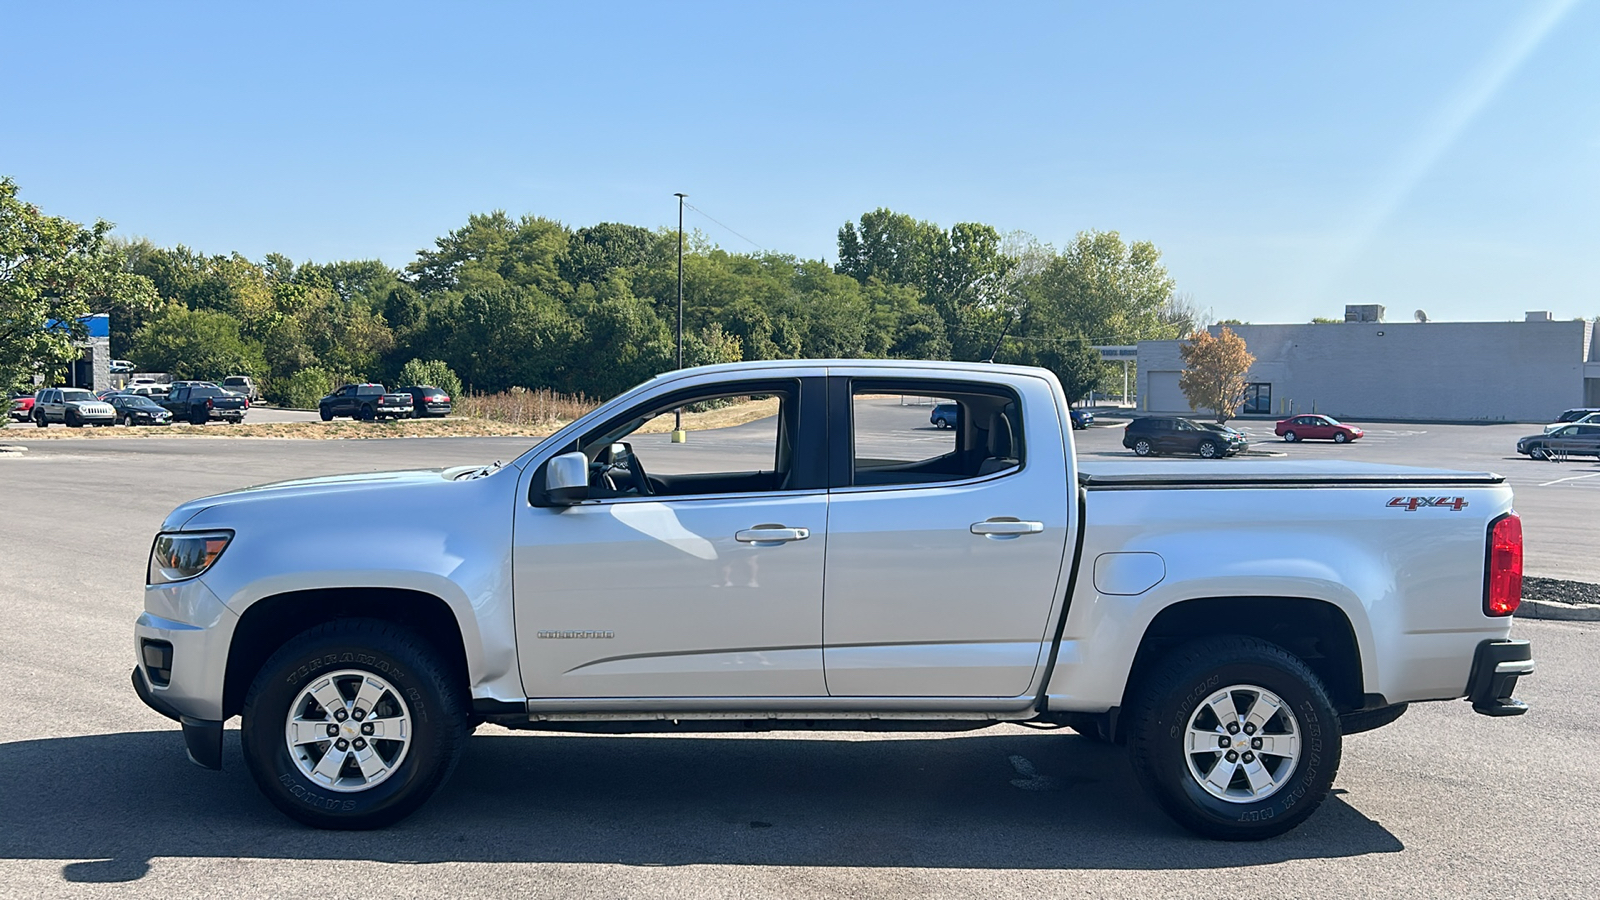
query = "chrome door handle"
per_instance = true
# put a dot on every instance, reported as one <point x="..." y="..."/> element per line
<point x="771" y="534"/>
<point x="1006" y="527"/>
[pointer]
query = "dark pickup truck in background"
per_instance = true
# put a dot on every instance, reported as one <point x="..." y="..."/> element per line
<point x="198" y="404"/>
<point x="366" y="402"/>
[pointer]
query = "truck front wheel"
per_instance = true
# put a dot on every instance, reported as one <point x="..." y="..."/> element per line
<point x="353" y="724"/>
<point x="1235" y="738"/>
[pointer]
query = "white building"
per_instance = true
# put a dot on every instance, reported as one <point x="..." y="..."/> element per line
<point x="1419" y="371"/>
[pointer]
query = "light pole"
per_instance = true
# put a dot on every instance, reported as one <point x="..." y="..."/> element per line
<point x="678" y="434"/>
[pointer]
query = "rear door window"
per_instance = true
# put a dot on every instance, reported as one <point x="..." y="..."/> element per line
<point x="894" y="443"/>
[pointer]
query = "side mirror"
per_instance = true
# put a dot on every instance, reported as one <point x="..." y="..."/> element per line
<point x="566" y="479"/>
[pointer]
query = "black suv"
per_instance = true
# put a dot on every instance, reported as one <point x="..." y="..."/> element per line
<point x="1153" y="435"/>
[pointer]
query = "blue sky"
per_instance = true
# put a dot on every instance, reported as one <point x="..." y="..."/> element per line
<point x="1286" y="158"/>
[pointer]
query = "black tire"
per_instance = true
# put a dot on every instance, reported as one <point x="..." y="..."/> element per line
<point x="127" y="420"/>
<point x="198" y="417"/>
<point x="1180" y="684"/>
<point x="1208" y="450"/>
<point x="1367" y="720"/>
<point x="1141" y="447"/>
<point x="1340" y="437"/>
<point x="1290" y="437"/>
<point x="39" y="420"/>
<point x="366" y="414"/>
<point x="1538" y="453"/>
<point x="436" y="701"/>
<point x="325" y="413"/>
<point x="71" y="419"/>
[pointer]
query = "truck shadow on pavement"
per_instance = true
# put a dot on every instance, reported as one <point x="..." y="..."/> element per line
<point x="1000" y="799"/>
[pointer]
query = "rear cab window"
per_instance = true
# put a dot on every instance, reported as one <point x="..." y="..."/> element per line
<point x="892" y="441"/>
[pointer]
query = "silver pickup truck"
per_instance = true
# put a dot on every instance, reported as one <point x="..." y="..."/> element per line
<point x="834" y="562"/>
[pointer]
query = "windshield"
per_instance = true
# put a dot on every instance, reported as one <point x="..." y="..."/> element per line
<point x="75" y="396"/>
<point x="1332" y="421"/>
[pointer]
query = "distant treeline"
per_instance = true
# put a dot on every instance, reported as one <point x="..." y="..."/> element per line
<point x="531" y="302"/>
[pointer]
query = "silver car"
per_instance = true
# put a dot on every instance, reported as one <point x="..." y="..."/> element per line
<point x="73" y="407"/>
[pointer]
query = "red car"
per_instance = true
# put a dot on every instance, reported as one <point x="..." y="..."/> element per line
<point x="21" y="408"/>
<point x="1317" y="428"/>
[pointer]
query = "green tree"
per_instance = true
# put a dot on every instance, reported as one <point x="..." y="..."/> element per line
<point x="302" y="389"/>
<point x="52" y="273"/>
<point x="1107" y="290"/>
<point x="1075" y="363"/>
<point x="1214" y="372"/>
<point x="196" y="344"/>
<point x="432" y="372"/>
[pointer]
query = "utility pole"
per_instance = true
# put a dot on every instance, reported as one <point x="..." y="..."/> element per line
<point x="678" y="434"/>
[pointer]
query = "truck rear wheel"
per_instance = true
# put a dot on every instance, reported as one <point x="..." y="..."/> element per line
<point x="1235" y="738"/>
<point x="353" y="724"/>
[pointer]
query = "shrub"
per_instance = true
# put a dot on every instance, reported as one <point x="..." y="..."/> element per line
<point x="432" y="372"/>
<point x="303" y="389"/>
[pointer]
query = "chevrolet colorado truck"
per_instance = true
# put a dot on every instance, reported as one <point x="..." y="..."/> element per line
<point x="836" y="563"/>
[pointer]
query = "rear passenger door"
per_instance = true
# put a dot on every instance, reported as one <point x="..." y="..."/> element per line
<point x="944" y="546"/>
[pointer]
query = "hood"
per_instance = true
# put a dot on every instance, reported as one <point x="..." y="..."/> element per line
<point x="354" y="486"/>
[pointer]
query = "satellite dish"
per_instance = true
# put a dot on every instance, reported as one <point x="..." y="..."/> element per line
<point x="1420" y="316"/>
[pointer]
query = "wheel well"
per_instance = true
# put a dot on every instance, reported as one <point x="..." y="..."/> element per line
<point x="271" y="622"/>
<point x="1314" y="630"/>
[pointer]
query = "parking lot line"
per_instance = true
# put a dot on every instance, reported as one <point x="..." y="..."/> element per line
<point x="1570" y="478"/>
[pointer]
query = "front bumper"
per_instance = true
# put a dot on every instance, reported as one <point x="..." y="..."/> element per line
<point x="1496" y="666"/>
<point x="202" y="738"/>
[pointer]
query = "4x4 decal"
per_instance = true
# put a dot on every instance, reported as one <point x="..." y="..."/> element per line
<point x="1412" y="504"/>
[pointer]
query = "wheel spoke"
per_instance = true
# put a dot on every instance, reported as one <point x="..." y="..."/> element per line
<point x="369" y="695"/>
<point x="327" y="694"/>
<point x="1205" y="741"/>
<point x="1286" y="745"/>
<point x="308" y="731"/>
<point x="372" y="765"/>
<point x="393" y="728"/>
<point x="1221" y="774"/>
<point x="327" y="770"/>
<point x="1222" y="706"/>
<point x="1260" y="778"/>
<point x="1262" y="709"/>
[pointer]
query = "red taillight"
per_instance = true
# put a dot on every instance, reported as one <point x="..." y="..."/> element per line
<point x="208" y="403"/>
<point x="1502" y="588"/>
<point x="441" y="399"/>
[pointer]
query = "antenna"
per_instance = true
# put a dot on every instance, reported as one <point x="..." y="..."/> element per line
<point x="1001" y="339"/>
<point x="1420" y="316"/>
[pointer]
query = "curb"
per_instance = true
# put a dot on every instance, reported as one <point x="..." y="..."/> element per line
<point x="1552" y="610"/>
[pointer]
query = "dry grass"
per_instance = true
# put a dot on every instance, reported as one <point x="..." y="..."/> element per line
<point x="520" y="406"/>
<point x="343" y="429"/>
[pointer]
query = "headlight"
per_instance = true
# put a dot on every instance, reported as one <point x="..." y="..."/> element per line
<point x="175" y="557"/>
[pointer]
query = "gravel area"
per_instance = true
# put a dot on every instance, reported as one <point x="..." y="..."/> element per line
<point x="1560" y="591"/>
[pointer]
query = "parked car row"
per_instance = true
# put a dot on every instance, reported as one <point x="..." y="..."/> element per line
<point x="944" y="416"/>
<point x="196" y="402"/>
<point x="199" y="402"/>
<point x="371" y="401"/>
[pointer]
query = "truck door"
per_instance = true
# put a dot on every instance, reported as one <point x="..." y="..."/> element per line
<point x="694" y="569"/>
<point x="945" y="547"/>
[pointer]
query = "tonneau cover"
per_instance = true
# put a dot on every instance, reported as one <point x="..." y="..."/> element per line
<point x="1133" y="474"/>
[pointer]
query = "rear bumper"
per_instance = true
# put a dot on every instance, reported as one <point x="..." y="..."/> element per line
<point x="1496" y="666"/>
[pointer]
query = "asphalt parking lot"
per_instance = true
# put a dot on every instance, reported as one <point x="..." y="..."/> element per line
<point x="96" y="798"/>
